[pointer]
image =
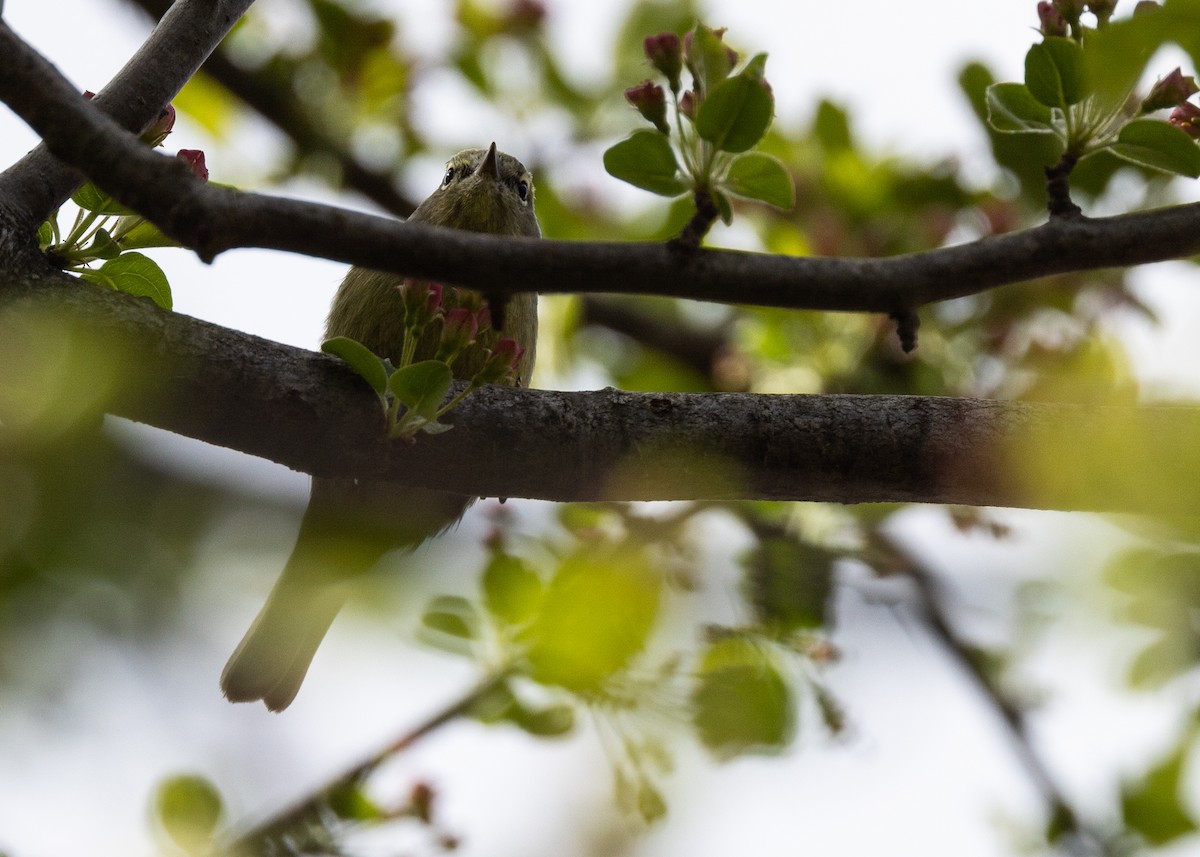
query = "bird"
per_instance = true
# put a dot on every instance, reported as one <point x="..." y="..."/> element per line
<point x="350" y="524"/>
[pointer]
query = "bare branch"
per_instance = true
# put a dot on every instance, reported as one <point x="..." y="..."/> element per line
<point x="37" y="184"/>
<point x="213" y="219"/>
<point x="308" y="412"/>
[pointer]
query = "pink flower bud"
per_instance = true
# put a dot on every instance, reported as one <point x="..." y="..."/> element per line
<point x="650" y="101"/>
<point x="483" y="318"/>
<point x="1169" y="91"/>
<point x="1052" y="23"/>
<point x="156" y="133"/>
<point x="194" y="158"/>
<point x="687" y="104"/>
<point x="422" y="301"/>
<point x="665" y="53"/>
<point x="502" y="362"/>
<point x="458" y="331"/>
<point x="1186" y="117"/>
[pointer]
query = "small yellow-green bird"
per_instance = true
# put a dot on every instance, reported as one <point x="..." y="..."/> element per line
<point x="350" y="524"/>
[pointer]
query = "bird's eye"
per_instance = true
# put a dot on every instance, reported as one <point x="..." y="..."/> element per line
<point x="523" y="190"/>
<point x="448" y="177"/>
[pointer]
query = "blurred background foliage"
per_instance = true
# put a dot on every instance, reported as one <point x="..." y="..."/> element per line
<point x="590" y="615"/>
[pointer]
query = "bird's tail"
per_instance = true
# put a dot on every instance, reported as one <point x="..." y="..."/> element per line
<point x="273" y="657"/>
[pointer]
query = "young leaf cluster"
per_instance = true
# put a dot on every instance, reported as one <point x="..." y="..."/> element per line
<point x="108" y="233"/>
<point x="1079" y="89"/>
<point x="706" y="149"/>
<point x="579" y="627"/>
<point x="414" y="393"/>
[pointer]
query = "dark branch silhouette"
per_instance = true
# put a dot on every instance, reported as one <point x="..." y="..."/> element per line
<point x="212" y="220"/>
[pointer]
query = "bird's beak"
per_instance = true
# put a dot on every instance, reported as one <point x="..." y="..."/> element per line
<point x="490" y="166"/>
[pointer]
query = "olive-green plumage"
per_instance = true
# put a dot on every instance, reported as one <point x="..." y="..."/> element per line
<point x="349" y="525"/>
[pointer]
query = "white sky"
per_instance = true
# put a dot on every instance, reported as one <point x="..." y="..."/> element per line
<point x="923" y="773"/>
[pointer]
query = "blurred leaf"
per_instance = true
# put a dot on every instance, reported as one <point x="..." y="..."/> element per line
<point x="136" y="275"/>
<point x="1159" y="145"/>
<point x="831" y="126"/>
<point x="741" y="702"/>
<point x="645" y="159"/>
<point x="361" y="359"/>
<point x="1054" y="72"/>
<point x="736" y="114"/>
<point x="650" y="804"/>
<point x="207" y="103"/>
<point x="350" y="803"/>
<point x="709" y="59"/>
<point x="45" y="235"/>
<point x="1152" y="807"/>
<point x="789" y="582"/>
<point x="597" y="615"/>
<point x="1012" y="109"/>
<point x="512" y="591"/>
<point x="451" y="623"/>
<point x="422" y="387"/>
<point x="552" y="722"/>
<point x="189" y="808"/>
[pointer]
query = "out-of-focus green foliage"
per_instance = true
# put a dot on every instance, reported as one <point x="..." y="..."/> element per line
<point x="583" y="616"/>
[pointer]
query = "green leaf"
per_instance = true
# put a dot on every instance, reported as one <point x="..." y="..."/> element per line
<point x="134" y="274"/>
<point x="91" y="198"/>
<point x="422" y="387"/>
<point x="103" y="247"/>
<point x="189" y="808"/>
<point x="736" y="115"/>
<point x="1158" y="145"/>
<point x="146" y="234"/>
<point x="450" y="623"/>
<point x="650" y="804"/>
<point x="597" y="614"/>
<point x="511" y="590"/>
<point x="350" y="803"/>
<point x="724" y="206"/>
<point x="646" y="160"/>
<point x="742" y="703"/>
<point x="45" y="235"/>
<point x="1012" y="109"/>
<point x="1054" y="72"/>
<point x="709" y="60"/>
<point x="756" y="175"/>
<point x="552" y="722"/>
<point x="789" y="583"/>
<point x="1152" y="807"/>
<point x="361" y="359"/>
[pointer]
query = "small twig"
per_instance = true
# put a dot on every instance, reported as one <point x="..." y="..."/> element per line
<point x="1071" y="831"/>
<point x="695" y="230"/>
<point x="1058" y="187"/>
<point x="313" y="805"/>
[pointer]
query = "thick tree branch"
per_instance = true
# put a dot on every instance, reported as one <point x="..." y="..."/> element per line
<point x="308" y="412"/>
<point x="212" y="220"/>
<point x="37" y="184"/>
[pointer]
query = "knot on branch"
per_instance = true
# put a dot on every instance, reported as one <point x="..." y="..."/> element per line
<point x="907" y="325"/>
